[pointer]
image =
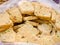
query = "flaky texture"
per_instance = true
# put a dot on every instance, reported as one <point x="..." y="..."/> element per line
<point x="29" y="29"/>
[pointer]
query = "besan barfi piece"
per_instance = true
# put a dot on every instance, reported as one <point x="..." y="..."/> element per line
<point x="15" y="14"/>
<point x="25" y="32"/>
<point x="33" y="39"/>
<point x="8" y="35"/>
<point x="29" y="29"/>
<point x="45" y="29"/>
<point x="26" y="7"/>
<point x="5" y="21"/>
<point x="42" y="12"/>
<point x="25" y="37"/>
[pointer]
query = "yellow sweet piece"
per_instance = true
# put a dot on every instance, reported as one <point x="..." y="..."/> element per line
<point x="27" y="31"/>
<point x="26" y="7"/>
<point x="42" y="12"/>
<point x="45" y="29"/>
<point x="8" y="35"/>
<point x="15" y="14"/>
<point x="5" y="21"/>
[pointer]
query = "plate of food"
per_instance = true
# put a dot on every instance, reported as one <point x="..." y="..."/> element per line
<point x="29" y="22"/>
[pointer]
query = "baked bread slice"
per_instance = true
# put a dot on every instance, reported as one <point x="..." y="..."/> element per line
<point x="15" y="14"/>
<point x="5" y="21"/>
<point x="26" y="7"/>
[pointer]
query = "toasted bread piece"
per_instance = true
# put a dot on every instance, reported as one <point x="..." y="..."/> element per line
<point x="26" y="7"/>
<point x="5" y="21"/>
<point x="45" y="29"/>
<point x="32" y="23"/>
<point x="42" y="12"/>
<point x="8" y="35"/>
<point x="15" y="14"/>
<point x="30" y="18"/>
